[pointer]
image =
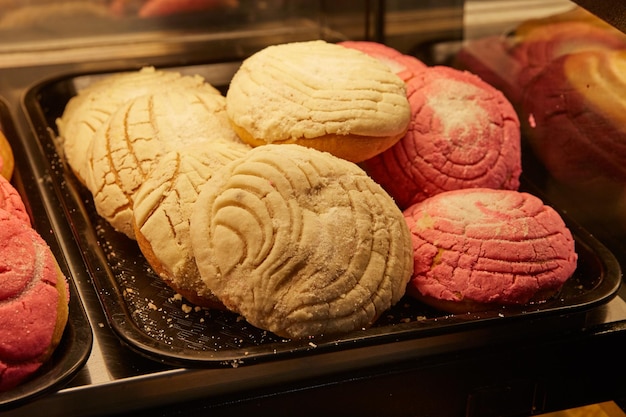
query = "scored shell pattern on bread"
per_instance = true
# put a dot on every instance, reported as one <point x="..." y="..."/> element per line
<point x="299" y="242"/>
<point x="463" y="134"/>
<point x="128" y="145"/>
<point x="321" y="95"/>
<point x="162" y="207"/>
<point x="33" y="301"/>
<point x="94" y="104"/>
<point x="484" y="248"/>
<point x="11" y="201"/>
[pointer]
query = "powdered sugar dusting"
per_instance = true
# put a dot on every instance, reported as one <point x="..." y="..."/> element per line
<point x="455" y="108"/>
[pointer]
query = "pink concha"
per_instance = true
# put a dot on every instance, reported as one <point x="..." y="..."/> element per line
<point x="404" y="66"/>
<point x="11" y="201"/>
<point x="476" y="249"/>
<point x="31" y="309"/>
<point x="463" y="134"/>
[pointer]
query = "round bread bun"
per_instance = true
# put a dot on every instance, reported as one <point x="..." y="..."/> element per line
<point x="300" y="243"/>
<point x="463" y="134"/>
<point x="161" y="210"/>
<point x="320" y="95"/>
<point x="11" y="201"/>
<point x="7" y="160"/>
<point x="34" y="298"/>
<point x="480" y="249"/>
<point x="130" y="143"/>
<point x="93" y="105"/>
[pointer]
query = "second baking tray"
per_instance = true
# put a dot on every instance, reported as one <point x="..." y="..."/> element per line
<point x="75" y="345"/>
<point x="152" y="319"/>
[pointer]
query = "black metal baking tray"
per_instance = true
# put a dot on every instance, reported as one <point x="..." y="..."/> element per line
<point x="149" y="317"/>
<point x="75" y="346"/>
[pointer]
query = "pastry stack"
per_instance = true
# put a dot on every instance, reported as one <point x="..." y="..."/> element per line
<point x="292" y="235"/>
<point x="277" y="200"/>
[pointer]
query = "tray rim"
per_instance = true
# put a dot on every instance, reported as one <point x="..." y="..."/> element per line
<point x="139" y="341"/>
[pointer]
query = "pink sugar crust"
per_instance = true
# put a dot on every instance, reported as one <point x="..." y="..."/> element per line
<point x="499" y="247"/>
<point x="404" y="66"/>
<point x="11" y="201"/>
<point x="547" y="43"/>
<point x="564" y="118"/>
<point x="463" y="134"/>
<point x="28" y="300"/>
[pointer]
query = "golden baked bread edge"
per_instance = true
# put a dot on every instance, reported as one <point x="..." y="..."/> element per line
<point x="354" y="148"/>
<point x="7" y="161"/>
<point x="63" y="312"/>
<point x="146" y="249"/>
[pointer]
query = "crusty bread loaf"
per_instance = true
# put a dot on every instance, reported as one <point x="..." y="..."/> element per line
<point x="34" y="299"/>
<point x="479" y="249"/>
<point x="320" y="95"/>
<point x="161" y="210"/>
<point x="300" y="242"/>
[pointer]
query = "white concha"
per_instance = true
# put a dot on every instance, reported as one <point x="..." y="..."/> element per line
<point x="162" y="208"/>
<point x="129" y="144"/>
<point x="94" y="104"/>
<point x="300" y="242"/>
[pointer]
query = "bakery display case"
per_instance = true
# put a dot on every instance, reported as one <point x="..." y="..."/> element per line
<point x="135" y="346"/>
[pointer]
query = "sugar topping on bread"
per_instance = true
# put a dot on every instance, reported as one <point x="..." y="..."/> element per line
<point x="128" y="145"/>
<point x="162" y="208"/>
<point x="463" y="133"/>
<point x="94" y="104"/>
<point x="300" y="242"/>
<point x="33" y="301"/>
<point x="320" y="95"/>
<point x="476" y="249"/>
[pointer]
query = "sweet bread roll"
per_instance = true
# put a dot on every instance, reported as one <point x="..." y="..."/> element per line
<point x="480" y="249"/>
<point x="509" y="63"/>
<point x="544" y="44"/>
<point x="300" y="242"/>
<point x="161" y="210"/>
<point x="93" y="105"/>
<point x="404" y="66"/>
<point x="320" y="95"/>
<point x="33" y="301"/>
<point x="129" y="144"/>
<point x="463" y="134"/>
<point x="11" y="201"/>
<point x="7" y="160"/>
<point x="577" y="117"/>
